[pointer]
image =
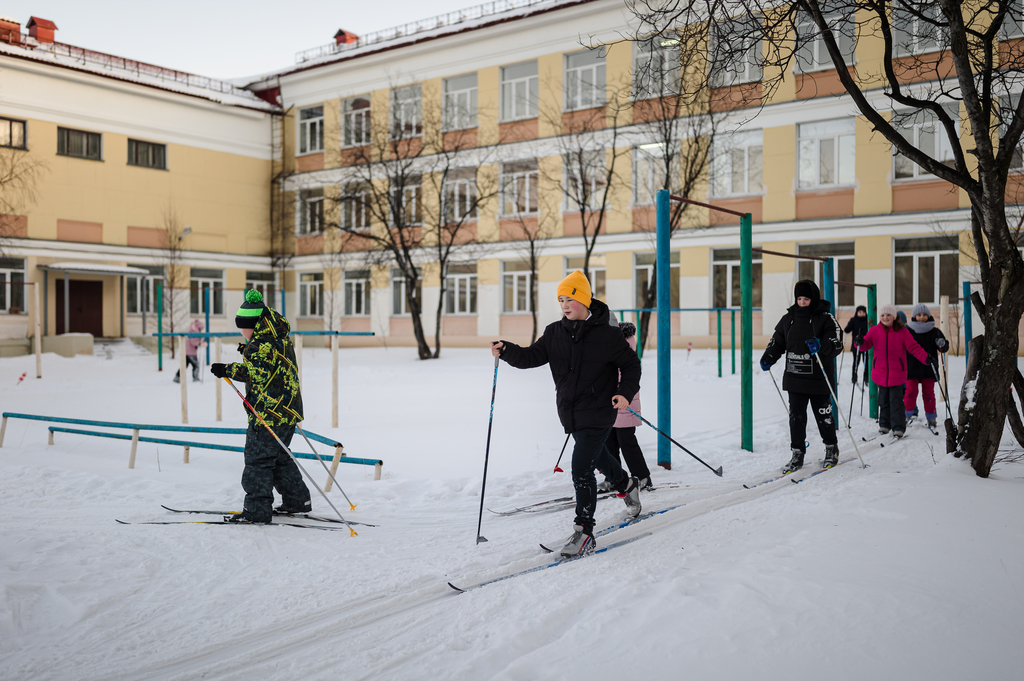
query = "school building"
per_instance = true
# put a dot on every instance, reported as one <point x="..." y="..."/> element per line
<point x="251" y="184"/>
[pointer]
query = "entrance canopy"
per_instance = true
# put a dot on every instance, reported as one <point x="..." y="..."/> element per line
<point x="69" y="268"/>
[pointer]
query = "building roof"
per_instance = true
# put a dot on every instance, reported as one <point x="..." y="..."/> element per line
<point x="41" y="23"/>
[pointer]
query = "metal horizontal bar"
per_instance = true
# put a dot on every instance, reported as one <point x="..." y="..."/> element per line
<point x="683" y="309"/>
<point x="188" y="334"/>
<point x="707" y="205"/>
<point x="790" y="255"/>
<point x="129" y="426"/>
<point x="332" y="333"/>
<point x="850" y="283"/>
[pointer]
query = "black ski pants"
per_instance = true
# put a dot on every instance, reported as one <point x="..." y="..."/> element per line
<point x="589" y="452"/>
<point x="860" y="358"/>
<point x="891" y="413"/>
<point x="624" y="440"/>
<point x="190" y="361"/>
<point x="269" y="466"/>
<point x="822" y="408"/>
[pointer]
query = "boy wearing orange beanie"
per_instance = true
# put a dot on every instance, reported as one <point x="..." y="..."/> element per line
<point x="586" y="356"/>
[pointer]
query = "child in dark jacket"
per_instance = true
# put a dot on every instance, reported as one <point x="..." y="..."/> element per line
<point x="932" y="341"/>
<point x="586" y="356"/>
<point x="856" y="329"/>
<point x="891" y="342"/>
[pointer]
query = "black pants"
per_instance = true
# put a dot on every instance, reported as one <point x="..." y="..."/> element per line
<point x="268" y="466"/>
<point x="822" y="407"/>
<point x="589" y="453"/>
<point x="891" y="414"/>
<point x="860" y="358"/>
<point x="624" y="440"/>
<point x="190" y="361"/>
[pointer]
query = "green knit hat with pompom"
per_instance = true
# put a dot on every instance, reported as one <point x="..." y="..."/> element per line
<point x="251" y="310"/>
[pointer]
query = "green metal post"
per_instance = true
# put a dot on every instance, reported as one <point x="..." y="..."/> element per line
<point x="872" y="320"/>
<point x="747" y="331"/>
<point x="160" y="327"/>
<point x="719" y="343"/>
<point x="664" y="275"/>
<point x="639" y="348"/>
<point x="732" y="344"/>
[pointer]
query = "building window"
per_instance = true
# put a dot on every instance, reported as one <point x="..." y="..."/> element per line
<point x="584" y="79"/>
<point x="1007" y="106"/>
<point x="649" y="161"/>
<point x="265" y="283"/>
<point x="311" y="294"/>
<point x="139" y="299"/>
<point x="399" y="303"/>
<point x="727" y="66"/>
<point x="357" y="293"/>
<point x="519" y="188"/>
<point x="585" y="179"/>
<point x="311" y="211"/>
<point x="79" y="144"/>
<point x="1013" y="22"/>
<point x="311" y="130"/>
<point x="598" y="288"/>
<point x="460" y="102"/>
<point x="405" y="201"/>
<point x="12" y="284"/>
<point x="736" y="165"/>
<point x="355" y="208"/>
<point x="812" y="55"/>
<point x="355" y="121"/>
<point x="643" y="272"/>
<point x="926" y="268"/>
<point x="12" y="134"/>
<point x="460" y="290"/>
<point x="460" y="200"/>
<point x="925" y="132"/>
<point x="406" y="112"/>
<point x="918" y="29"/>
<point x="826" y="154"/>
<point x="656" y="68"/>
<point x="519" y="91"/>
<point x="201" y="281"/>
<point x="516" y="278"/>
<point x="844" y="270"/>
<point x="725" y="272"/>
<point x="147" y="155"/>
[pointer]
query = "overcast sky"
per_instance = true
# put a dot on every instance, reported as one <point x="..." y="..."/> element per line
<point x="218" y="38"/>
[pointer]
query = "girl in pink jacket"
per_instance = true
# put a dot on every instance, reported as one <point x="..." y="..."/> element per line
<point x="623" y="435"/>
<point x="891" y="342"/>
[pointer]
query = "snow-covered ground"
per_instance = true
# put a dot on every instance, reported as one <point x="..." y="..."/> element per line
<point x="912" y="568"/>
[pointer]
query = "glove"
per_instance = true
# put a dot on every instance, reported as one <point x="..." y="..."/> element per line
<point x="765" y="365"/>
<point x="858" y="341"/>
<point x="241" y="348"/>
<point x="941" y="344"/>
<point x="813" y="344"/>
<point x="219" y="370"/>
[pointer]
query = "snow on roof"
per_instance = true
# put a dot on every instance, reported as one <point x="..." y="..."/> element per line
<point x="128" y="70"/>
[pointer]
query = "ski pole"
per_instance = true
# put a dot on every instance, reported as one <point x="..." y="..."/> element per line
<point x="294" y="458"/>
<point x="717" y="471"/>
<point x="786" y="406"/>
<point x="942" y="392"/>
<point x="487" y="455"/>
<point x="557" y="469"/>
<point x="352" y="506"/>
<point x="853" y="391"/>
<point x="848" y="431"/>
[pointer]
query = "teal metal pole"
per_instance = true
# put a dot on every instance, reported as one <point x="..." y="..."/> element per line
<point x="664" y="275"/>
<point x="872" y="320"/>
<point x="747" y="332"/>
<point x="160" y="327"/>
<point x="639" y="347"/>
<point x="732" y="343"/>
<point x="719" y="312"/>
<point x="968" y="334"/>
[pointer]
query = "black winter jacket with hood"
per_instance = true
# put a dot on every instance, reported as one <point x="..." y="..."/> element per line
<point x="585" y="358"/>
<point x="927" y="336"/>
<point x="797" y="326"/>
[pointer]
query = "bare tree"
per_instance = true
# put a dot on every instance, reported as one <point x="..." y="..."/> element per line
<point x="945" y="66"/>
<point x="19" y="175"/>
<point x="173" y="232"/>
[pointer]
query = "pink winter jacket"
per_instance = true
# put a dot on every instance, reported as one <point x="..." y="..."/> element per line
<point x="891" y="348"/>
<point x="624" y="419"/>
<point x="192" y="345"/>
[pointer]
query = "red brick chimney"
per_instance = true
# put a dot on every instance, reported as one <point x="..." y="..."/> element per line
<point x="41" y="29"/>
<point x="343" y="37"/>
<point x="10" y="31"/>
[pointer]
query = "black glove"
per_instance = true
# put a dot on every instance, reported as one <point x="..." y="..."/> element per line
<point x="219" y="370"/>
<point x="858" y="340"/>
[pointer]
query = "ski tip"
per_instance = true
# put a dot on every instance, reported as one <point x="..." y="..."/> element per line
<point x="718" y="471"/>
<point x="461" y="591"/>
<point x="123" y="522"/>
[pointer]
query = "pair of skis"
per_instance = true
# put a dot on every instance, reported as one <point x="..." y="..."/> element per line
<point x="297" y="516"/>
<point x="569" y="502"/>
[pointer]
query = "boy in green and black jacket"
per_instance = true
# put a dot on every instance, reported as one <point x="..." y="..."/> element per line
<point x="271" y="378"/>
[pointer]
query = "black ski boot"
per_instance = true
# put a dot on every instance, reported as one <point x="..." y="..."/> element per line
<point x="796" y="463"/>
<point x="831" y="456"/>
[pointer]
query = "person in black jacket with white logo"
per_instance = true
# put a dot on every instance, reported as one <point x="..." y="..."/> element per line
<point x="807" y="328"/>
<point x="586" y="355"/>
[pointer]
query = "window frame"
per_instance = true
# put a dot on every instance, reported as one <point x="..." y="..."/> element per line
<point x="464" y="189"/>
<point x="406" y="113"/>
<point x="516" y="276"/>
<point x="461" y="277"/>
<point x="160" y="162"/>
<point x="148" y="296"/>
<point x="836" y="21"/>
<point x="412" y="194"/>
<point x="10" y="288"/>
<point x="943" y="147"/>
<point x="10" y="133"/>
<point x="357" y="292"/>
<point x="350" y="116"/>
<point x="913" y="35"/>
<point x="746" y="141"/>
<point x="916" y="256"/>
<point x="598" y="272"/>
<point x="645" y="74"/>
<point x="399" y="302"/>
<point x="310" y="131"/>
<point x="596" y="180"/>
<point x="510" y="183"/>
<point x="267" y="287"/>
<point x="196" y="286"/>
<point x="63" y="140"/>
<point x="643" y="272"/>
<point x="310" y="285"/>
<point x="732" y="269"/>
<point x="838" y="155"/>
<point x="509" y="110"/>
<point x="356" y="203"/>
<point x="752" y="71"/>
<point x="842" y="253"/>
<point x="310" y="210"/>
<point x="454" y="116"/>
<point x="575" y="98"/>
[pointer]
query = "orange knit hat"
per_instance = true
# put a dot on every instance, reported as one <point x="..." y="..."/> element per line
<point x="576" y="287"/>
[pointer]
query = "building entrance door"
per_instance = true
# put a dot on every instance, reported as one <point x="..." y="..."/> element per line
<point x="86" y="307"/>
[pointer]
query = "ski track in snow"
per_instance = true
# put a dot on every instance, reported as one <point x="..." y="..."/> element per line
<point x="907" y="569"/>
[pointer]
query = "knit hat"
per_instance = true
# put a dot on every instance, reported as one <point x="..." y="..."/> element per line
<point x="576" y="287"/>
<point x="251" y="310"/>
<point x="628" y="329"/>
<point x="861" y="308"/>
<point x="921" y="308"/>
<point x="887" y="309"/>
<point x="902" y="317"/>
<point x="805" y="288"/>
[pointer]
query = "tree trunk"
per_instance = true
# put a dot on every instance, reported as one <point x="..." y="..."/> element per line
<point x="422" y="347"/>
<point x="439" y="320"/>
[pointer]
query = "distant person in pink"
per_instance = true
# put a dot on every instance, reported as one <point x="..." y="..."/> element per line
<point x="192" y="346"/>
